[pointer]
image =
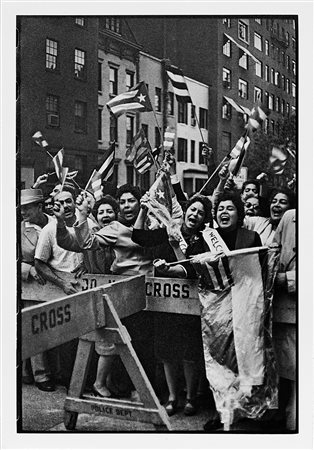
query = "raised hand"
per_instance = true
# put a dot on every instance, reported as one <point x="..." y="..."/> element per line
<point x="83" y="207"/>
<point x="58" y="210"/>
<point x="40" y="180"/>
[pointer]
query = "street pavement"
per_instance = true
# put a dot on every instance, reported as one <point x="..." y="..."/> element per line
<point x="43" y="411"/>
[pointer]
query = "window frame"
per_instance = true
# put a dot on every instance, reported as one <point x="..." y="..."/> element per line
<point x="260" y="65"/>
<point x="158" y="99"/>
<point x="258" y="39"/>
<point x="246" y="85"/>
<point x="203" y="118"/>
<point x="226" y="82"/>
<point x="258" y="94"/>
<point x="77" y="64"/>
<point x="52" y="111"/>
<point x="182" y="113"/>
<point x="113" y="83"/>
<point x="80" y="121"/>
<point x="182" y="151"/>
<point x="245" y="25"/>
<point x="55" y="56"/>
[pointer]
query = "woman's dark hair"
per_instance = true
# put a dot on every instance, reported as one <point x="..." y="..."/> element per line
<point x="106" y="200"/>
<point x="236" y="200"/>
<point x="287" y="192"/>
<point x="252" y="181"/>
<point x="208" y="218"/>
<point x="129" y="188"/>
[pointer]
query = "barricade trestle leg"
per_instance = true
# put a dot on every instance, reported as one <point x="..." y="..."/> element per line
<point x="148" y="409"/>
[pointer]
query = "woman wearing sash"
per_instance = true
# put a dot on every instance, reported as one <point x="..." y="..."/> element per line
<point x="177" y="336"/>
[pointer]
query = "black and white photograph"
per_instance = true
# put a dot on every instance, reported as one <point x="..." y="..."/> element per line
<point x="157" y="232"/>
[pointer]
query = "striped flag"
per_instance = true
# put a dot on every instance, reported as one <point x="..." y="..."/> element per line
<point x="96" y="185"/>
<point x="156" y="152"/>
<point x="244" y="141"/>
<point x="134" y="100"/>
<point x="106" y="169"/>
<point x="278" y="159"/>
<point x="256" y="118"/>
<point x="140" y="153"/>
<point x="61" y="171"/>
<point x="160" y="201"/>
<point x="179" y="85"/>
<point x="72" y="175"/>
<point x="39" y="139"/>
<point x="236" y="330"/>
<point x="215" y="270"/>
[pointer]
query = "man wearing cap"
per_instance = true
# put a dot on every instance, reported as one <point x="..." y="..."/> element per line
<point x="34" y="220"/>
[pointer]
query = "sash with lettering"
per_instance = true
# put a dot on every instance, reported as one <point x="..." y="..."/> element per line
<point x="235" y="291"/>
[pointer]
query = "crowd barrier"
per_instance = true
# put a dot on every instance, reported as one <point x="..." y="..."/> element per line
<point x="95" y="312"/>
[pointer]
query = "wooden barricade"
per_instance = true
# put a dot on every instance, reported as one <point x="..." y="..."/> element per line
<point x="95" y="313"/>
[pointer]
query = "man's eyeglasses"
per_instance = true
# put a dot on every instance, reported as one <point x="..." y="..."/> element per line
<point x="249" y="205"/>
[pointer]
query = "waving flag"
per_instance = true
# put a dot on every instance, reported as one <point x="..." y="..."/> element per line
<point x="278" y="159"/>
<point x="169" y="137"/>
<point x="236" y="292"/>
<point x="106" y="169"/>
<point x="72" y="175"/>
<point x="256" y="118"/>
<point x="179" y="85"/>
<point x="39" y="139"/>
<point x="160" y="202"/>
<point x="140" y="153"/>
<point x="61" y="171"/>
<point x="134" y="100"/>
<point x="243" y="142"/>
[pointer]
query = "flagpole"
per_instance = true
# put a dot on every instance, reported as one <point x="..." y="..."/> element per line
<point x="93" y="173"/>
<point x="232" y="175"/>
<point x="226" y="158"/>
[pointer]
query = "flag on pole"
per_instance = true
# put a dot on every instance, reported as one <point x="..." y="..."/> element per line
<point x="160" y="202"/>
<point x="236" y="293"/>
<point x="106" y="169"/>
<point x="256" y="118"/>
<point x="134" y="100"/>
<point x="58" y="163"/>
<point x="39" y="139"/>
<point x="278" y="159"/>
<point x="179" y="85"/>
<point x="236" y="151"/>
<point x="95" y="184"/>
<point x="140" y="153"/>
<point x="236" y="164"/>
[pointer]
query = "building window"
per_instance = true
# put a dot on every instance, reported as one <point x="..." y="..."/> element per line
<point x="243" y="31"/>
<point x="272" y="126"/>
<point x="282" y="109"/>
<point x="113" y="131"/>
<point x="51" y="54"/>
<point x="266" y="47"/>
<point x="258" y="69"/>
<point x="200" y="153"/>
<point x="288" y="63"/>
<point x="277" y="104"/>
<point x="271" y="101"/>
<point x="226" y="49"/>
<point x="266" y="126"/>
<point x="293" y="67"/>
<point x="226" y="22"/>
<point x="129" y="80"/>
<point x="257" y="94"/>
<point x="157" y="137"/>
<point x="226" y="142"/>
<point x="182" y="112"/>
<point x="283" y="82"/>
<point x="99" y="123"/>
<point x="287" y="85"/>
<point x="226" y="110"/>
<point x="266" y="99"/>
<point x="79" y="64"/>
<point x="192" y="151"/>
<point x="226" y="78"/>
<point x="204" y="118"/>
<point x="158" y="99"/>
<point x="293" y="89"/>
<point x="287" y="37"/>
<point x="266" y="72"/>
<point x="243" y="59"/>
<point x="288" y="109"/>
<point x="258" y="41"/>
<point x="272" y="75"/>
<point x="283" y="58"/>
<point x="99" y="76"/>
<point x="113" y="24"/>
<point x="171" y="103"/>
<point x="130" y="174"/>
<point x="243" y="91"/>
<point x="129" y="129"/>
<point x="113" y="80"/>
<point x="193" y="117"/>
<point x="80" y="113"/>
<point x="258" y="21"/>
<point x="52" y="111"/>
<point x="80" y="21"/>
<point x="277" y="78"/>
<point x="182" y="150"/>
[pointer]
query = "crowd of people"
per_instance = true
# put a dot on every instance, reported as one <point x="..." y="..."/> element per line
<point x="67" y="231"/>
